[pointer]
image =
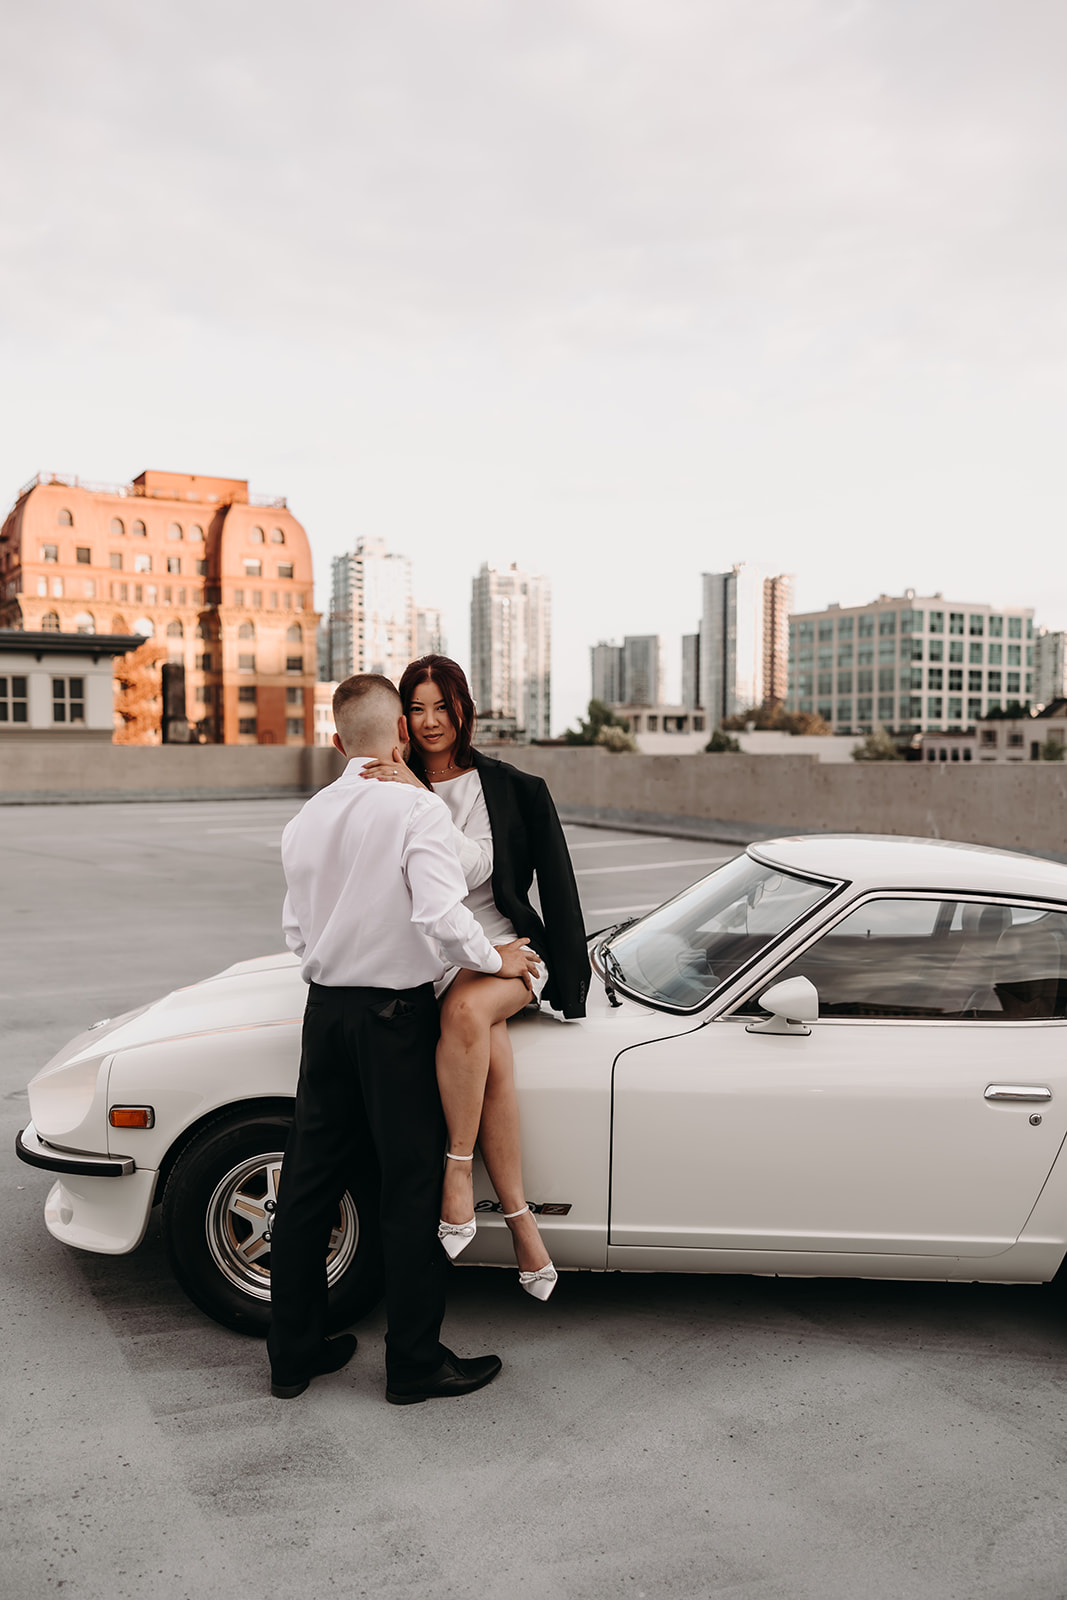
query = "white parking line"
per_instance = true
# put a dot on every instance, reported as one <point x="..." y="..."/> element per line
<point x="650" y="866"/>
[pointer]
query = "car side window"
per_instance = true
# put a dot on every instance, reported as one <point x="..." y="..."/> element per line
<point x="940" y="960"/>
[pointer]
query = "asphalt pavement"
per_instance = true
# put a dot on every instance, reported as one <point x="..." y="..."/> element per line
<point x="650" y="1436"/>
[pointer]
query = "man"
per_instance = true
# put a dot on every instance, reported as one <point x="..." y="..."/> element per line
<point x="375" y="911"/>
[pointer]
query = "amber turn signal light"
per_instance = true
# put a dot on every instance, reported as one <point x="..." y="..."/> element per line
<point x="132" y="1117"/>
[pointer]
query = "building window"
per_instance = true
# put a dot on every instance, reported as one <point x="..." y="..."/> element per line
<point x="863" y="708"/>
<point x="864" y="682"/>
<point x="13" y="700"/>
<point x="277" y="536"/>
<point x="274" y="599"/>
<point x="57" y="588"/>
<point x="885" y="708"/>
<point x="955" y="678"/>
<point x="138" y="530"/>
<point x="937" y="649"/>
<point x="238" y="597"/>
<point x="246" y="631"/>
<point x="246" y="663"/>
<point x="294" y="727"/>
<point x="886" y="678"/>
<point x="181" y="596"/>
<point x="196" y="534"/>
<point x="88" y="588"/>
<point x="989" y="735"/>
<point x="257" y="599"/>
<point x="83" y="555"/>
<point x="844" y="655"/>
<point x="825" y="683"/>
<point x="285" y="569"/>
<point x="174" y="531"/>
<point x="911" y="650"/>
<point x="253" y="569"/>
<point x="300" y="602"/>
<point x="49" y="552"/>
<point x="287" y="599"/>
<point x="201" y="571"/>
<point x="1013" y="683"/>
<point x="203" y="662"/>
<point x="974" y="682"/>
<point x="911" y="678"/>
<point x="118" y="527"/>
<point x="1015" y="627"/>
<point x="295" y="634"/>
<point x="933" y="708"/>
<point x="865" y="626"/>
<point x="1015" y="655"/>
<point x="935" y="678"/>
<point x="955" y="711"/>
<point x="247" y="692"/>
<point x="116" y="560"/>
<point x="204" y="693"/>
<point x="996" y="627"/>
<point x="50" y="622"/>
<point x="174" y="565"/>
<point x="68" y="699"/>
<point x="826" y="629"/>
<point x="296" y="664"/>
<point x="955" y="649"/>
<point x="955" y="622"/>
<point x="85" y="622"/>
<point x="65" y="519"/>
<point x="887" y="622"/>
<point x="255" y="536"/>
<point x="976" y="625"/>
<point x="844" y="683"/>
<point x="246" y="725"/>
<point x="294" y="696"/>
<point x="144" y="626"/>
<point x="974" y="654"/>
<point x="844" y="711"/>
<point x="175" y="630"/>
<point x="974" y="711"/>
<point x="142" y="563"/>
<point x="911" y="622"/>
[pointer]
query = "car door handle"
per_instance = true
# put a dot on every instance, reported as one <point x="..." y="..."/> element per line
<point x="1017" y="1091"/>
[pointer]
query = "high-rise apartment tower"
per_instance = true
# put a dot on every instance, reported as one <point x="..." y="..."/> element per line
<point x="372" y="614"/>
<point x="744" y="640"/>
<point x="511" y="648"/>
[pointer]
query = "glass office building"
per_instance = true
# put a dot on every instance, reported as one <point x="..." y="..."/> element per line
<point x="910" y="663"/>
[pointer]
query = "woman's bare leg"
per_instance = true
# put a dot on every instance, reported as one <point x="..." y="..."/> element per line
<point x="472" y="1006"/>
<point x="498" y="1140"/>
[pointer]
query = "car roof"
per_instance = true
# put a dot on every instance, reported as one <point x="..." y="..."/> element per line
<point x="885" y="861"/>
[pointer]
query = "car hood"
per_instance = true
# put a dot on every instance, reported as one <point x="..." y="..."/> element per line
<point x="250" y="994"/>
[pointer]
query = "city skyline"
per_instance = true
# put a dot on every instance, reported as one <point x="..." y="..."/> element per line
<point x="720" y="287"/>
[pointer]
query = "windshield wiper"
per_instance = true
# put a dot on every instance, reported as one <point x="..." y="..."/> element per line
<point x="611" y="960"/>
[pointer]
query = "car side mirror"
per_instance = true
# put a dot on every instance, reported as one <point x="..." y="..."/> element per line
<point x="792" y="1003"/>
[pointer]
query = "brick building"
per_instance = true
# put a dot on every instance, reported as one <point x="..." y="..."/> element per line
<point x="220" y="579"/>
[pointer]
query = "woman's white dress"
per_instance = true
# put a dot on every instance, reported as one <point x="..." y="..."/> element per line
<point x="473" y="838"/>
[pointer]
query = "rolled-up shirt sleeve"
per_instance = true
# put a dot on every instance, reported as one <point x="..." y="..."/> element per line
<point x="294" y="936"/>
<point x="436" y="882"/>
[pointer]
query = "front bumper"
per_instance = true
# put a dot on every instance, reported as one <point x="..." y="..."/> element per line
<point x="85" y="1207"/>
<point x="29" y="1147"/>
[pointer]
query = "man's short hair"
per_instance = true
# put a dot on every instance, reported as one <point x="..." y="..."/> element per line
<point x="365" y="707"/>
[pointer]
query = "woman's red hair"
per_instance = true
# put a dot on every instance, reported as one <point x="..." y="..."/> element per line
<point x="451" y="683"/>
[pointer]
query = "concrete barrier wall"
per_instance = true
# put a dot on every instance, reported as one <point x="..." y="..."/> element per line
<point x="1020" y="806"/>
<point x="37" y="772"/>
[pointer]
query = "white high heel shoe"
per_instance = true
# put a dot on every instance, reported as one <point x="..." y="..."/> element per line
<point x="541" y="1283"/>
<point x="456" y="1236"/>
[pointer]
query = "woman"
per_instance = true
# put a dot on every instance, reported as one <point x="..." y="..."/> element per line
<point x="506" y="830"/>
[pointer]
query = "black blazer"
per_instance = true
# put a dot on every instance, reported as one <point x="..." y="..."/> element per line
<point x="527" y="838"/>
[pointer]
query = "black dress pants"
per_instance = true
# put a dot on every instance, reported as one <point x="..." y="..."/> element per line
<point x="368" y="1116"/>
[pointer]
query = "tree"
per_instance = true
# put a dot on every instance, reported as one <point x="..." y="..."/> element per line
<point x="139" y="701"/>
<point x="773" y="716"/>
<point x="599" y="716"/>
<point x="878" y="746"/>
<point x="618" y="740"/>
<point x="1053" y="749"/>
<point x="720" y="742"/>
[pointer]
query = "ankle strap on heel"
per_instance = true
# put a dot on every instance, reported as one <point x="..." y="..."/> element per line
<point x="509" y="1214"/>
<point x="450" y="1157"/>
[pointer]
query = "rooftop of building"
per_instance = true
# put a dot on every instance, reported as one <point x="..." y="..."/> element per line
<point x="178" y="487"/>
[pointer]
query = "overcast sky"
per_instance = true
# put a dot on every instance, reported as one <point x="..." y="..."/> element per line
<point x="619" y="290"/>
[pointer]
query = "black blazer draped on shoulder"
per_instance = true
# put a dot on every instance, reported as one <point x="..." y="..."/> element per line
<point x="528" y="839"/>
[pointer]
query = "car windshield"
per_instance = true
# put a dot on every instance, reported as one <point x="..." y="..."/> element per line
<point x="688" y="948"/>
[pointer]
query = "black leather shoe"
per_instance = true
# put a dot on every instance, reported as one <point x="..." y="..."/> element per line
<point x="453" y="1377"/>
<point x="336" y="1353"/>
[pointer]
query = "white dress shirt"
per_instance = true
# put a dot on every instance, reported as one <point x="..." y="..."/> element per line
<point x="375" y="888"/>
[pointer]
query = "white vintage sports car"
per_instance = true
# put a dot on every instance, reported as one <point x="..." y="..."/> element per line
<point x="834" y="1055"/>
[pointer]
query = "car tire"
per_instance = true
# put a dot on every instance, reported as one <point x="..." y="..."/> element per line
<point x="216" y="1209"/>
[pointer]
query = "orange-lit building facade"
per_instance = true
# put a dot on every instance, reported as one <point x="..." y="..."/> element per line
<point x="221" y="579"/>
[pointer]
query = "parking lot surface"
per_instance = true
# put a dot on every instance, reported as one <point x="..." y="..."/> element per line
<point x="666" y="1436"/>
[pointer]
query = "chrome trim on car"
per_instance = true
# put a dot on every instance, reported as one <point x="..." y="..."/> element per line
<point x="1017" y="1091"/>
<point x="32" y="1149"/>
